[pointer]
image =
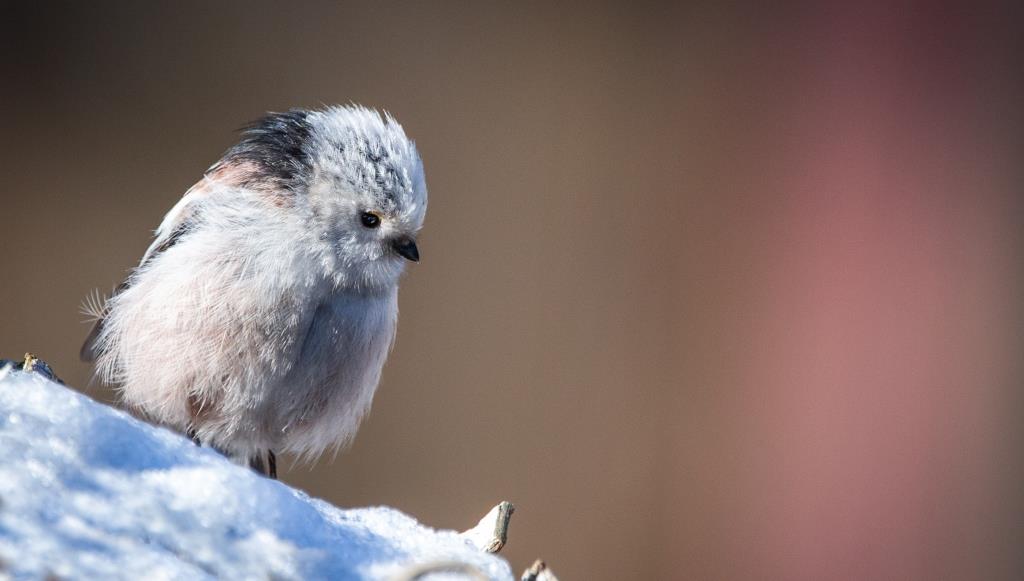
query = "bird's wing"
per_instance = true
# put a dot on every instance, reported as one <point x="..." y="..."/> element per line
<point x="175" y="225"/>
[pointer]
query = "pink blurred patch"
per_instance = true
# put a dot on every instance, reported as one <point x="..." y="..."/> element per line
<point x="881" y="361"/>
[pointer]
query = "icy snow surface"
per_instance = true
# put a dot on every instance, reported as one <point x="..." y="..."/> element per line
<point x="88" y="492"/>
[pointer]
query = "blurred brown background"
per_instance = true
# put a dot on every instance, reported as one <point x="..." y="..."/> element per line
<point x="709" y="292"/>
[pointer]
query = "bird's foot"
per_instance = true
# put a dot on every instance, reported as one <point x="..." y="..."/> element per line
<point x="268" y="468"/>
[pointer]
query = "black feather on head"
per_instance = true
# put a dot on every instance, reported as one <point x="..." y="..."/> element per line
<point x="272" y="150"/>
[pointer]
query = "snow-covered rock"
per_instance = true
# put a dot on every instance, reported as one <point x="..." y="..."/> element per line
<point x="88" y="492"/>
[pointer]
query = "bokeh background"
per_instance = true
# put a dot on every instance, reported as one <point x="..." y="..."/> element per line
<point x="709" y="291"/>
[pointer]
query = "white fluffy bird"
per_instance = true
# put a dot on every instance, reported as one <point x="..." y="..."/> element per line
<point x="260" y="317"/>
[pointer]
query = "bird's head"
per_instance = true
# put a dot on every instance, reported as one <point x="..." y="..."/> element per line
<point x="354" y="179"/>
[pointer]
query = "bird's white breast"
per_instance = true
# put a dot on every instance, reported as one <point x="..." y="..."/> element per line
<point x="321" y="402"/>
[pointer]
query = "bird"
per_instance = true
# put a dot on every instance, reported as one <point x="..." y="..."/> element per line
<point x="260" y="317"/>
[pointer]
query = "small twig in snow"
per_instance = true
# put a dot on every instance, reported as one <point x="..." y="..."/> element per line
<point x="491" y="533"/>
<point x="538" y="572"/>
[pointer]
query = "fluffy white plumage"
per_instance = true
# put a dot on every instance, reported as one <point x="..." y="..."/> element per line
<point x="260" y="317"/>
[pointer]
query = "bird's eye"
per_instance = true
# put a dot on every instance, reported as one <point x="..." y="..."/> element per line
<point x="369" y="219"/>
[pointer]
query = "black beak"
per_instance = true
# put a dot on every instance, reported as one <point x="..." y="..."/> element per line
<point x="406" y="248"/>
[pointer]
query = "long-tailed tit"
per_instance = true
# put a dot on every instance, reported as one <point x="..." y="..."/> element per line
<point x="260" y="317"/>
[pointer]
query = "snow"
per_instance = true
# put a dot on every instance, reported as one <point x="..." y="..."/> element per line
<point x="88" y="492"/>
